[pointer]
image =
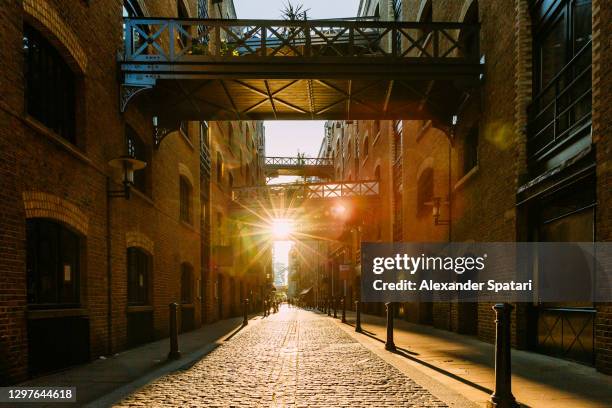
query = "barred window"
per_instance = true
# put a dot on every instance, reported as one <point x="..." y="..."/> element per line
<point x="49" y="85"/>
<point x="185" y="200"/>
<point x="138" y="268"/>
<point x="53" y="264"/>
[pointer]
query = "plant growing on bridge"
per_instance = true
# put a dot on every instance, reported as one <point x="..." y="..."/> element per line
<point x="293" y="12"/>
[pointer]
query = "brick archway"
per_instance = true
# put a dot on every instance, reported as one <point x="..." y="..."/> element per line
<point x="45" y="205"/>
<point x="44" y="17"/>
<point x="139" y="240"/>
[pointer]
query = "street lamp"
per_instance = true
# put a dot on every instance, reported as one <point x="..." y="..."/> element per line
<point x="128" y="165"/>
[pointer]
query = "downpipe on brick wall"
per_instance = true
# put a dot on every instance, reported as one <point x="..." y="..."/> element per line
<point x="109" y="271"/>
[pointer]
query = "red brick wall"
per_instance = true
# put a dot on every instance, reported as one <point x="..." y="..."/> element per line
<point x="602" y="126"/>
<point x="34" y="160"/>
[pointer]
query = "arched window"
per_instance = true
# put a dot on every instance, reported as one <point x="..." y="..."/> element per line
<point x="230" y="180"/>
<point x="425" y="192"/>
<point x="53" y="264"/>
<point x="366" y="147"/>
<point x="377" y="173"/>
<point x="138" y="276"/>
<point x="186" y="283"/>
<point x="50" y="89"/>
<point x="186" y="213"/>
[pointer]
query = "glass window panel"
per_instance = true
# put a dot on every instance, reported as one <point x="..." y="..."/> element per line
<point x="49" y="85"/>
<point x="552" y="52"/>
<point x="53" y="264"/>
<point x="582" y="24"/>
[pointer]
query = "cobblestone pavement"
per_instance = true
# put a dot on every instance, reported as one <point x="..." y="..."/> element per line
<point x="294" y="358"/>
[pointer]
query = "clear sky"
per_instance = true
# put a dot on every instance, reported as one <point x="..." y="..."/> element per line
<point x="270" y="9"/>
<point x="286" y="137"/>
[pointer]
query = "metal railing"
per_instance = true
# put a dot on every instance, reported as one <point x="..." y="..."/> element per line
<point x="298" y="161"/>
<point x="156" y="39"/>
<point x="562" y="108"/>
<point x="308" y="191"/>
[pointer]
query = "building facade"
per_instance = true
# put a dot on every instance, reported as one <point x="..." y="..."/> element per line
<point x="83" y="271"/>
<point x="527" y="158"/>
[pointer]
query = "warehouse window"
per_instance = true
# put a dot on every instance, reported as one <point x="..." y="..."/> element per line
<point x="139" y="269"/>
<point x="49" y="85"/>
<point x="185" y="200"/>
<point x="53" y="264"/>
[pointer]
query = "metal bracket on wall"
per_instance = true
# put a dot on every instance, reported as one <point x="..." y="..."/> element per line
<point x="127" y="92"/>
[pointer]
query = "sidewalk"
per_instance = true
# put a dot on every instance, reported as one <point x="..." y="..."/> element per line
<point x="466" y="365"/>
<point x="110" y="378"/>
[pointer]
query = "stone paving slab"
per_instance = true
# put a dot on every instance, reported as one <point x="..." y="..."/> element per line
<point x="294" y="358"/>
<point x="465" y="365"/>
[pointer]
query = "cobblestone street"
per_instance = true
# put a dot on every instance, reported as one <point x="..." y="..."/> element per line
<point x="293" y="358"/>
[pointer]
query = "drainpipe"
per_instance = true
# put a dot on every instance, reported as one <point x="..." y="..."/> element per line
<point x="109" y="274"/>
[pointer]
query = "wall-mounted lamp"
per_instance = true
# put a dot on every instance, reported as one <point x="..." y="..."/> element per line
<point x="128" y="165"/>
<point x="436" y="203"/>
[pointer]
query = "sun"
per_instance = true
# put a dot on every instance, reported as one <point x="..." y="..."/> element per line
<point x="281" y="228"/>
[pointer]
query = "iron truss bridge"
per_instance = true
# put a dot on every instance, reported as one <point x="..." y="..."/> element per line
<point x="198" y="69"/>
<point x="299" y="166"/>
<point x="306" y="191"/>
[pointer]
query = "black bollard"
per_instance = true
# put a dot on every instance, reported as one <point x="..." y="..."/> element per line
<point x="174" y="348"/>
<point x="358" y="316"/>
<point x="245" y="312"/>
<point x="328" y="307"/>
<point x="335" y="303"/>
<point x="502" y="396"/>
<point x="343" y="309"/>
<point x="389" y="344"/>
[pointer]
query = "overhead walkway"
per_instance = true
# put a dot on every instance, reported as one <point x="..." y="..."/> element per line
<point x="198" y="69"/>
<point x="299" y="166"/>
<point x="302" y="192"/>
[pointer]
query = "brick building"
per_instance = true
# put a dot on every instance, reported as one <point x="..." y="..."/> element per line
<point x="81" y="273"/>
<point x="525" y="159"/>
